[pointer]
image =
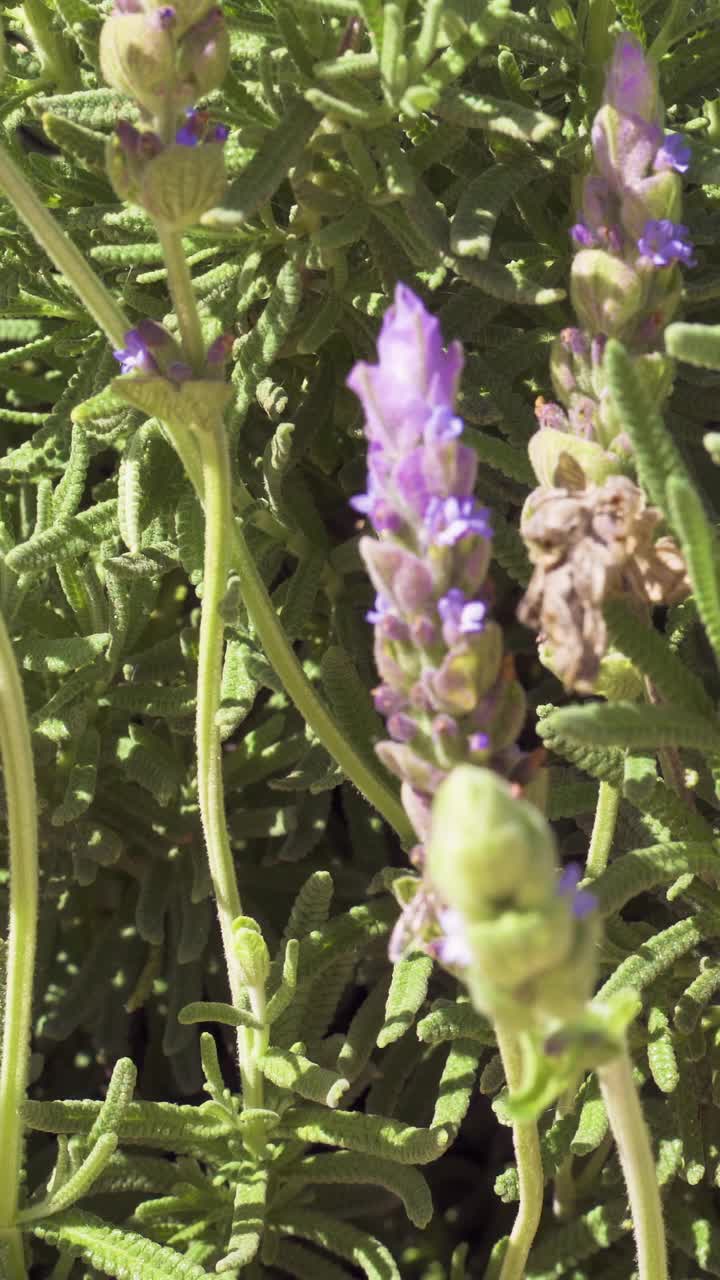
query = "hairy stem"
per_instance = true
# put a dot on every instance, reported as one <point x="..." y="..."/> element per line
<point x="283" y="658"/>
<point x="20" y="796"/>
<point x="218" y="515"/>
<point x="211" y="794"/>
<point x="633" y="1143"/>
<point x="181" y="292"/>
<point x="603" y="831"/>
<point x="529" y="1166"/>
<point x="55" y="57"/>
<point x="62" y="252"/>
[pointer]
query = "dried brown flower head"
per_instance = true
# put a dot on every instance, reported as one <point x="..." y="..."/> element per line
<point x="589" y="543"/>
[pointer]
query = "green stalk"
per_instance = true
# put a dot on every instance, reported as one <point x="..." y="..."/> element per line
<point x="181" y="292"/>
<point x="529" y="1166"/>
<point x="598" y="47"/>
<point x="65" y="256"/>
<point x="55" y="58"/>
<point x="638" y="1166"/>
<point x="19" y="777"/>
<point x="282" y="656"/>
<point x="603" y="832"/>
<point x="211" y="793"/>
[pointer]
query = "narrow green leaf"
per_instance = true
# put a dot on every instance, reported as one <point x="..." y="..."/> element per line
<point x="699" y="544"/>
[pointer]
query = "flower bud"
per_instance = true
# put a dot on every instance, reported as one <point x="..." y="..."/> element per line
<point x="251" y="951"/>
<point x="515" y="947"/>
<point x="488" y="847"/>
<point x="204" y="54"/>
<point x="656" y="198"/>
<point x="547" y="446"/>
<point x="606" y="293"/>
<point x="183" y="183"/>
<point x="137" y="58"/>
<point x="631" y="84"/>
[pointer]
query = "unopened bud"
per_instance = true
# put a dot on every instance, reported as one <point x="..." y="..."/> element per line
<point x="490" y="850"/>
<point x="137" y="58"/>
<point x="606" y="293"/>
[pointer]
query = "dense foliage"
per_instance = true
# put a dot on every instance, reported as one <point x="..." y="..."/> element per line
<point x="441" y="145"/>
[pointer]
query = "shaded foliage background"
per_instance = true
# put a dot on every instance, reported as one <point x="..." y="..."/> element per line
<point x="351" y="170"/>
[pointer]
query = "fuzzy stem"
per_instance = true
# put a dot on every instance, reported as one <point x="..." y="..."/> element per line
<point x="529" y="1166"/>
<point x="65" y="256"/>
<point x="638" y="1166"/>
<point x="598" y="46"/>
<point x="54" y="54"/>
<point x="282" y="656"/>
<point x="181" y="291"/>
<point x="211" y="794"/>
<point x="603" y="831"/>
<point x="20" y="796"/>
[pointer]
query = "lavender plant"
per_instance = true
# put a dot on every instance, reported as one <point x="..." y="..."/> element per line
<point x="231" y="202"/>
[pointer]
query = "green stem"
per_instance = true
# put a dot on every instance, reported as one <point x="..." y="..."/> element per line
<point x="218" y="518"/>
<point x="633" y="1143"/>
<point x="181" y="291"/>
<point x="565" y="1191"/>
<point x="598" y="47"/>
<point x="19" y="776"/>
<point x="62" y="252"/>
<point x="54" y="54"/>
<point x="211" y="793"/>
<point x="603" y="832"/>
<point x="284" y="660"/>
<point x="529" y="1166"/>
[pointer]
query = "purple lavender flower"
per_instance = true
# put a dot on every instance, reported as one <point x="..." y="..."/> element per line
<point x="582" y="235"/>
<point x="438" y="653"/>
<point x="452" y="948"/>
<point x="460" y="616"/>
<point x="582" y="902"/>
<point x="198" y="129"/>
<point x="193" y="130"/>
<point x="164" y="17"/>
<point x="136" y="356"/>
<point x="673" y="153"/>
<point x="664" y="242"/>
<point x="449" y="520"/>
<point x="630" y="86"/>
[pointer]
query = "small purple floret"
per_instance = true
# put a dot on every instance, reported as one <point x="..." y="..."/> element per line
<point x="164" y="17"/>
<point x="449" y="520"/>
<point x="452" y="949"/>
<point x="191" y="133"/>
<point x="582" y="235"/>
<point x="673" y="153"/>
<point x="135" y="356"/>
<point x="664" y="242"/>
<point x="460" y="616"/>
<point x="582" y="902"/>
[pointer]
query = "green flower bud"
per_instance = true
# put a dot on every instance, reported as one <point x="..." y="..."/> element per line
<point x="656" y="197"/>
<point x="137" y="58"/>
<point x="251" y="951"/>
<point x="489" y="848"/>
<point x="606" y="293"/>
<point x="548" y="445"/>
<point x="183" y="183"/>
<point x="516" y="947"/>
<point x="204" y="54"/>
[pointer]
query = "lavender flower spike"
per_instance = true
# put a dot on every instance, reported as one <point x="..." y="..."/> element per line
<point x="446" y="692"/>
